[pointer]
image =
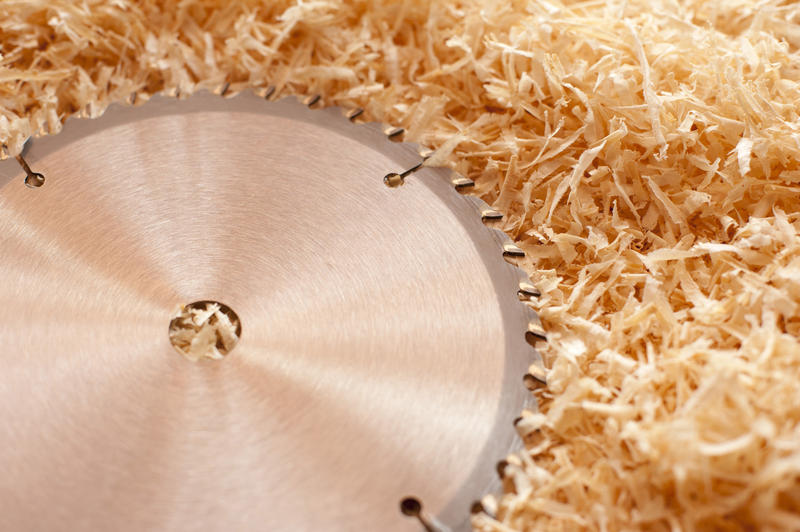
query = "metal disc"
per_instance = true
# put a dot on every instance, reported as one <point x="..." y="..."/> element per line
<point x="382" y="342"/>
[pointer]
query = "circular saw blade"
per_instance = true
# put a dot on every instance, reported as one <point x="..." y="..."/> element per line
<point x="382" y="341"/>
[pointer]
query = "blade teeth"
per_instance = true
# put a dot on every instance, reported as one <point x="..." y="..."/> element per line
<point x="528" y="427"/>
<point x="538" y="373"/>
<point x="527" y="291"/>
<point x="266" y="93"/>
<point x="355" y="113"/>
<point x="532" y="382"/>
<point x="535" y="378"/>
<point x="535" y="333"/>
<point x="222" y="90"/>
<point x="512" y="251"/>
<point x="394" y="133"/>
<point x="312" y="101"/>
<point x="172" y="92"/>
<point x="491" y="216"/>
<point x="463" y="184"/>
<point x="226" y="90"/>
<point x="134" y="99"/>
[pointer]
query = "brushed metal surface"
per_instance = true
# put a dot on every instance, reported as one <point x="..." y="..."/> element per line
<point x="382" y="344"/>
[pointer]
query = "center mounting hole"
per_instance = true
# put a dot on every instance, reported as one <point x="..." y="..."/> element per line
<point x="205" y="330"/>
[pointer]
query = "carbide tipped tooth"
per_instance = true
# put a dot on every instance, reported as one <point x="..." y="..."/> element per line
<point x="527" y="291"/>
<point x="538" y="373"/>
<point x="269" y="92"/>
<point x="532" y="383"/>
<point x="512" y="251"/>
<point x="463" y="184"/>
<point x="491" y="216"/>
<point x="535" y="333"/>
<point x="527" y="427"/>
<point x="223" y="89"/>
<point x="355" y="113"/>
<point x="394" y="133"/>
<point x="311" y="101"/>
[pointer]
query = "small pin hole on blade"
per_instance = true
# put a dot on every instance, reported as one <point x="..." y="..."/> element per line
<point x="393" y="180"/>
<point x="410" y="506"/>
<point x="34" y="180"/>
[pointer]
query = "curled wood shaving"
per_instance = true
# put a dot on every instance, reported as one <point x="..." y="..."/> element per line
<point x="645" y="154"/>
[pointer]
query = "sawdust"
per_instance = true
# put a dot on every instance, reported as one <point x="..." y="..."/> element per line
<point x="645" y="153"/>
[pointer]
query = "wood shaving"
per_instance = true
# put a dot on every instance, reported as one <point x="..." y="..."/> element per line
<point x="645" y="154"/>
<point x="204" y="331"/>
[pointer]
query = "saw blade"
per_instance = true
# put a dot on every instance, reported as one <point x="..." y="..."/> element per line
<point x="382" y="341"/>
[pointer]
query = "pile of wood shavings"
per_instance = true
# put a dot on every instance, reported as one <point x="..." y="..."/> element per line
<point x="645" y="152"/>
